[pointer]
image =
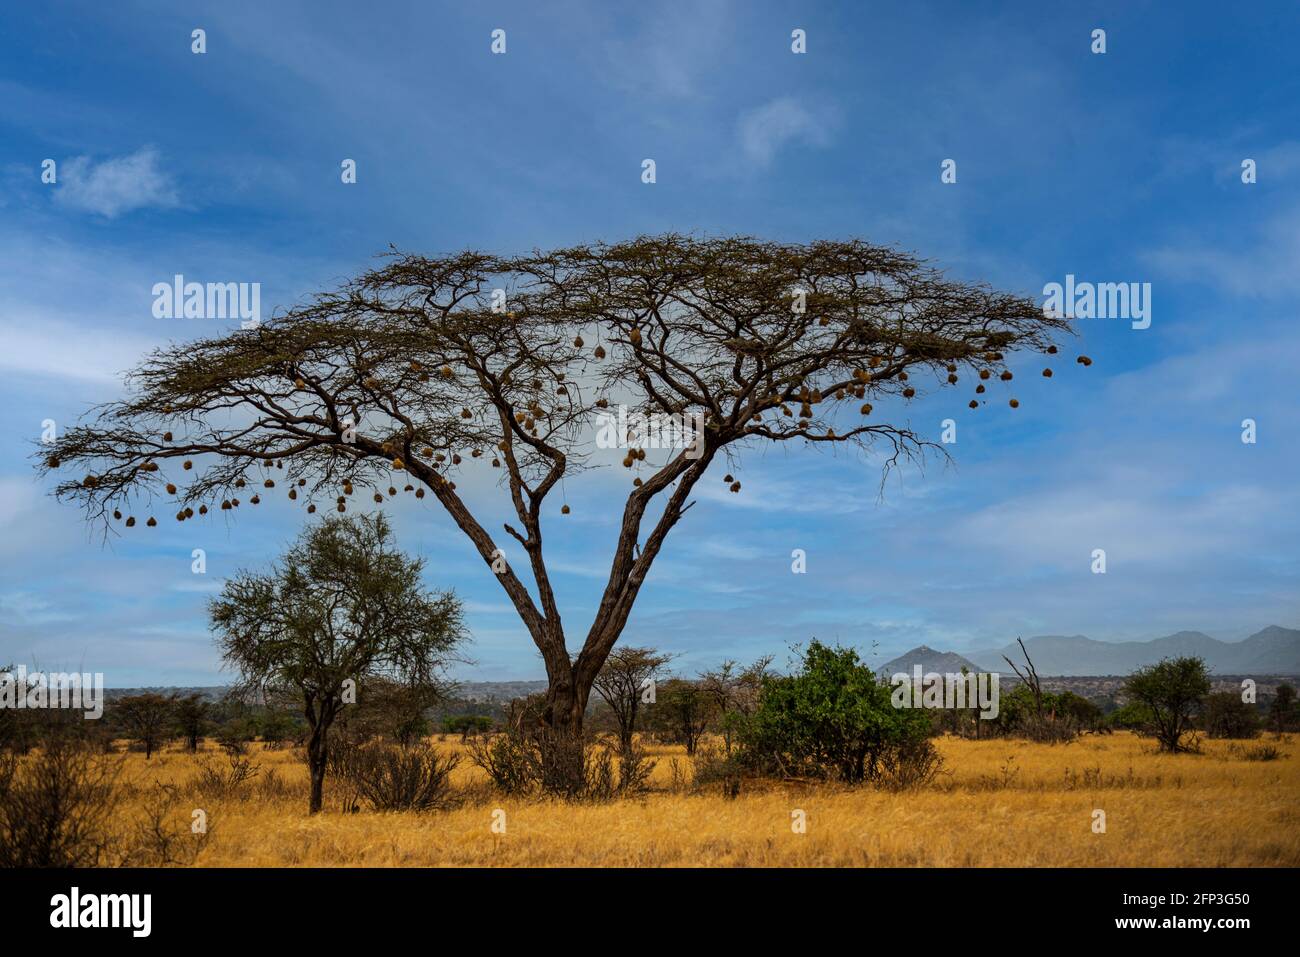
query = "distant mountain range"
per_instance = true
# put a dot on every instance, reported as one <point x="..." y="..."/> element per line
<point x="1272" y="651"/>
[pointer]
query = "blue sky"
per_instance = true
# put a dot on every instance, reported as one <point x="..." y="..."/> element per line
<point x="1115" y="167"/>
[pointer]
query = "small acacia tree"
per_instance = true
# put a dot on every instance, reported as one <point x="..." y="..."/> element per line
<point x="423" y="371"/>
<point x="191" y="719"/>
<point x="734" y="692"/>
<point x="624" y="682"/>
<point x="343" y="605"/>
<point x="149" y="718"/>
<point x="1171" y="690"/>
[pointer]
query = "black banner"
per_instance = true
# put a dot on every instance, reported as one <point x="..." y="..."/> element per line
<point x="332" y="907"/>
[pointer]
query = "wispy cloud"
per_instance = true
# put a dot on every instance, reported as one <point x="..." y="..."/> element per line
<point x="115" y="186"/>
<point x="765" y="130"/>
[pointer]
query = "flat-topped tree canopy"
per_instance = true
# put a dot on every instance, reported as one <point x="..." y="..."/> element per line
<point x="421" y="368"/>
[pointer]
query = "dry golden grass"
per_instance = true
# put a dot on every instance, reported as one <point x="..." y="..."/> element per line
<point x="1002" y="803"/>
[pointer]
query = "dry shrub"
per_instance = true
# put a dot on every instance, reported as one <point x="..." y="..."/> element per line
<point x="1256" y="752"/>
<point x="395" y="778"/>
<point x="909" y="765"/>
<point x="163" y="835"/>
<point x="570" y="768"/>
<point x="57" y="805"/>
<point x="216" y="782"/>
<point x="717" y="769"/>
<point x="508" y="761"/>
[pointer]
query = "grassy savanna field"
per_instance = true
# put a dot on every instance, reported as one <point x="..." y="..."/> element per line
<point x="1000" y="803"/>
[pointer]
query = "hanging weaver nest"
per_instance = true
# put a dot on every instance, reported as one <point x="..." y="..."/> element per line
<point x="117" y="515"/>
<point x="311" y="509"/>
<point x="130" y="522"/>
<point x="735" y="486"/>
<point x="1083" y="361"/>
<point x="152" y="522"/>
<point x="974" y="404"/>
<point x="419" y="493"/>
<point x="203" y="510"/>
<point x="564" y="510"/>
<point x="269" y="483"/>
<point x="187" y="465"/>
<point x="1047" y="373"/>
<point x="1051" y="350"/>
<point x="599" y="352"/>
<point x="167" y="436"/>
<point x="984" y="373"/>
<point x="979" y="389"/>
<point x="1014" y="403"/>
<point x="578" y="343"/>
<point x="171" y="489"/>
<point x="908" y="392"/>
<point x="255" y="500"/>
<point x="293" y="494"/>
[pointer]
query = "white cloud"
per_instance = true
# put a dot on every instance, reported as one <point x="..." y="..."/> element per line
<point x="115" y="186"/>
<point x="766" y="129"/>
<point x="60" y="350"/>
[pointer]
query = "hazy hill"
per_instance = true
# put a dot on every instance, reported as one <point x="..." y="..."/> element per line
<point x="939" y="662"/>
<point x="1274" y="650"/>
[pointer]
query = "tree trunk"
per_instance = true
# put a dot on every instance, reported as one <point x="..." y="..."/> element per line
<point x="562" y="747"/>
<point x="317" y="753"/>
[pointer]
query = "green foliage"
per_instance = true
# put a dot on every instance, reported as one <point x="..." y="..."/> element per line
<point x="1134" y="716"/>
<point x="1171" y="689"/>
<point x="832" y="718"/>
<point x="466" y="724"/>
<point x="1225" y="715"/>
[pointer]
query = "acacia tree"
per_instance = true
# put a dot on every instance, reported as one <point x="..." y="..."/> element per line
<point x="734" y="692"/>
<point x="191" y="718"/>
<point x="1171" y="690"/>
<point x="148" y="717"/>
<point x="342" y="605"/>
<point x="623" y="682"/>
<point x="421" y="371"/>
